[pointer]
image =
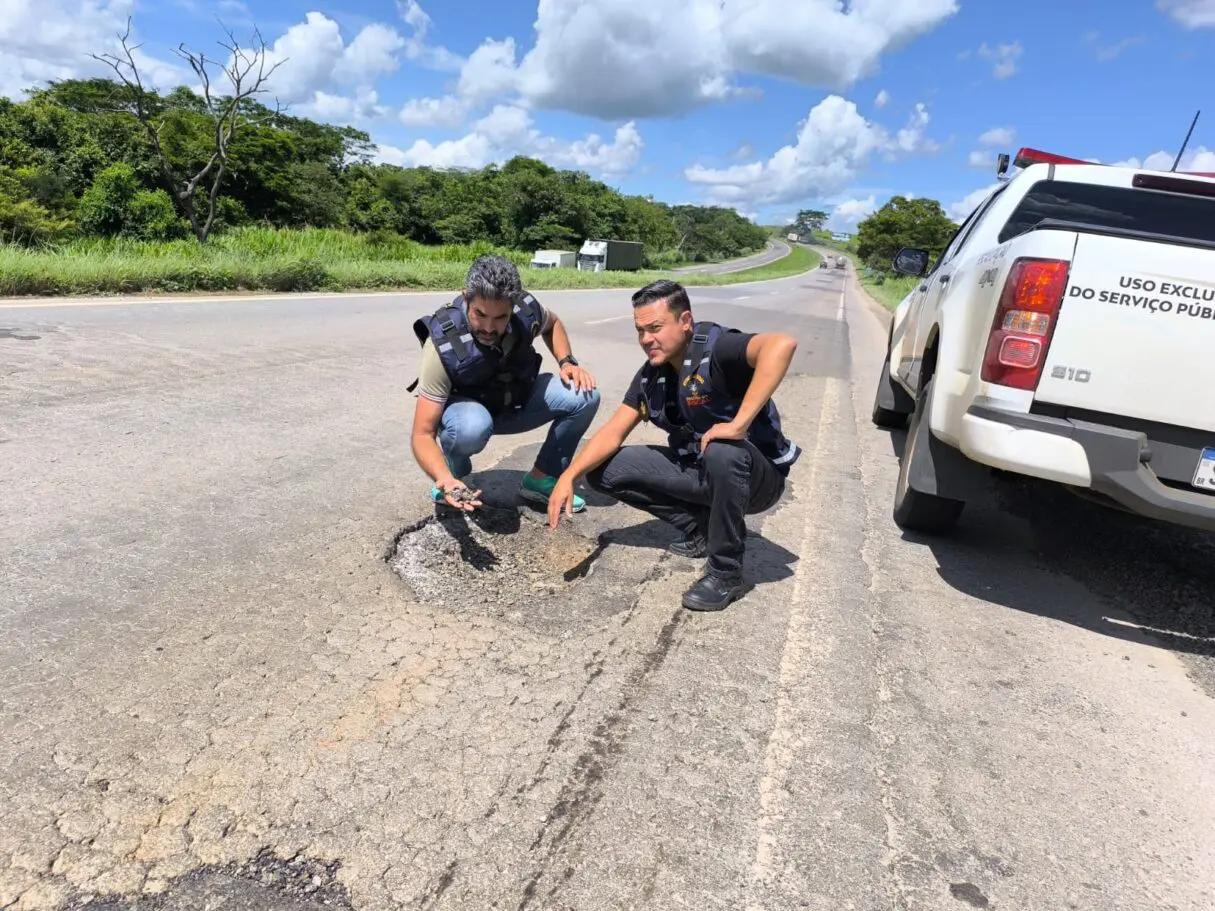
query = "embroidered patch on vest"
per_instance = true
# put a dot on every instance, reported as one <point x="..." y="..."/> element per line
<point x="696" y="396"/>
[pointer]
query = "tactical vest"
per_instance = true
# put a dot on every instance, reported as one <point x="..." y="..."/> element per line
<point x="699" y="404"/>
<point x="481" y="372"/>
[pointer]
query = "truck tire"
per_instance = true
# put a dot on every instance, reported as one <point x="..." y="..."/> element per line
<point x="913" y="509"/>
<point x="891" y="403"/>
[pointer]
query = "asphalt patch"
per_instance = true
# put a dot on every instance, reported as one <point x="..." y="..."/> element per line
<point x="18" y="335"/>
<point x="264" y="883"/>
<point x="493" y="554"/>
<point x="502" y="561"/>
<point x="969" y="893"/>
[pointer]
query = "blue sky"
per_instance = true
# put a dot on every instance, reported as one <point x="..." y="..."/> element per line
<point x="765" y="105"/>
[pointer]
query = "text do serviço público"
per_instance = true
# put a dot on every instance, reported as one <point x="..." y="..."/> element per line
<point x="1154" y="296"/>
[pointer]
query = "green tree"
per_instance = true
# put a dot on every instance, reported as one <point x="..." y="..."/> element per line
<point x="23" y="220"/>
<point x="903" y="222"/>
<point x="196" y="190"/>
<point x="152" y="216"/>
<point x="809" y="221"/>
<point x="76" y="157"/>
<point x="105" y="207"/>
<point x="713" y="232"/>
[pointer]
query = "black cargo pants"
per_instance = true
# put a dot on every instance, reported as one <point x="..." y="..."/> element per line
<point x="710" y="495"/>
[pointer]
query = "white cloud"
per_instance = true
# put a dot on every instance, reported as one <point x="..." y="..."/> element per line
<point x="967" y="204"/>
<point x="1108" y="52"/>
<point x="833" y="144"/>
<point x="911" y="137"/>
<point x="1198" y="159"/>
<point x="981" y="159"/>
<point x="372" y="53"/>
<point x="434" y="112"/>
<point x="416" y="48"/>
<point x="54" y="38"/>
<point x="312" y="57"/>
<point x="508" y="131"/>
<point x="851" y="212"/>
<point x="329" y="108"/>
<point x="319" y="73"/>
<point x="614" y="59"/>
<point x="489" y="72"/>
<point x="594" y="154"/>
<point x="1003" y="58"/>
<point x="1190" y="13"/>
<point x="813" y="42"/>
<point x="324" y="77"/>
<point x="998" y="136"/>
<point x="882" y="99"/>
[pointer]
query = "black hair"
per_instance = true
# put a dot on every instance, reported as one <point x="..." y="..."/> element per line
<point x="492" y="277"/>
<point x="673" y="293"/>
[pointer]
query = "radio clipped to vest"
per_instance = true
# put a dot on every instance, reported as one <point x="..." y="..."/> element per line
<point x="687" y="402"/>
<point x="500" y="382"/>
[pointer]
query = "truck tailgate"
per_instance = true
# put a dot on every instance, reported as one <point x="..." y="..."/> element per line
<point x="1136" y="333"/>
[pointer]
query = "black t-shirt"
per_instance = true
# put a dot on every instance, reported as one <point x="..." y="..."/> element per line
<point x="729" y="368"/>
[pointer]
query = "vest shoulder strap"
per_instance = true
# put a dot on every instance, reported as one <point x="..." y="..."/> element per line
<point x="450" y="331"/>
<point x="527" y="308"/>
<point x="702" y="334"/>
<point x="444" y="327"/>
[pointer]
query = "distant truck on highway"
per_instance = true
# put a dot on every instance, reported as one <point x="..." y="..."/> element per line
<point x="610" y="255"/>
<point x="554" y="259"/>
<point x="1065" y="333"/>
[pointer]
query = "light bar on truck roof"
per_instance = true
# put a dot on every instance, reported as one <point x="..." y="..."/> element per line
<point x="1027" y="156"/>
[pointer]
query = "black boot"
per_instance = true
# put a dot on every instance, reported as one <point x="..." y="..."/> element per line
<point x="694" y="546"/>
<point x="712" y="593"/>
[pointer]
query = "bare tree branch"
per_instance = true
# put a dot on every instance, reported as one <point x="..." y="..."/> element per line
<point x="246" y="72"/>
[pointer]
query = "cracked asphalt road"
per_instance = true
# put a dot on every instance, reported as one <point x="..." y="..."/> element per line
<point x="216" y="692"/>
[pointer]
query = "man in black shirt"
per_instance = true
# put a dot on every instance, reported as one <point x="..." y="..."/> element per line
<point x="710" y="388"/>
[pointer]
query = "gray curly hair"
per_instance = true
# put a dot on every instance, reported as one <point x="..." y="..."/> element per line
<point x="492" y="277"/>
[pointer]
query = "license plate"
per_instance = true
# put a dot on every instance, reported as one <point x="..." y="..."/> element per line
<point x="1204" y="475"/>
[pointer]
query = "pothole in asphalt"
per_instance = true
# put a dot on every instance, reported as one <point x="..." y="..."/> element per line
<point x="494" y="555"/>
<point x="263" y="883"/>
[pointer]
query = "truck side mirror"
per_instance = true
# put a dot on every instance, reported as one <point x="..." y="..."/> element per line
<point x="910" y="261"/>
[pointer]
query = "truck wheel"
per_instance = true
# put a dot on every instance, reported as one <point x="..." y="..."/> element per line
<point x="891" y="403"/>
<point x="914" y="510"/>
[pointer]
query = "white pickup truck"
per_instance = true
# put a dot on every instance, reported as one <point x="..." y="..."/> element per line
<point x="1066" y="333"/>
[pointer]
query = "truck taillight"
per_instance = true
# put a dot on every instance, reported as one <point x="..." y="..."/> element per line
<point x="1024" y="322"/>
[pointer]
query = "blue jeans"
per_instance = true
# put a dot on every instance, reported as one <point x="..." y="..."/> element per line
<point x="466" y="425"/>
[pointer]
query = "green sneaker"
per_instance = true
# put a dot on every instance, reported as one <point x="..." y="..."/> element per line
<point x="539" y="491"/>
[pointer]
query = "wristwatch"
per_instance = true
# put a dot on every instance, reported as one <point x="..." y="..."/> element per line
<point x="568" y="359"/>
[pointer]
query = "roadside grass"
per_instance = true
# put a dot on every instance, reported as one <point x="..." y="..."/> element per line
<point x="888" y="290"/>
<point x="798" y="260"/>
<point x="260" y="259"/>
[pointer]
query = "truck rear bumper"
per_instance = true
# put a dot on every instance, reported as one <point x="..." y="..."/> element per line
<point x="986" y="437"/>
<point x="1116" y="462"/>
